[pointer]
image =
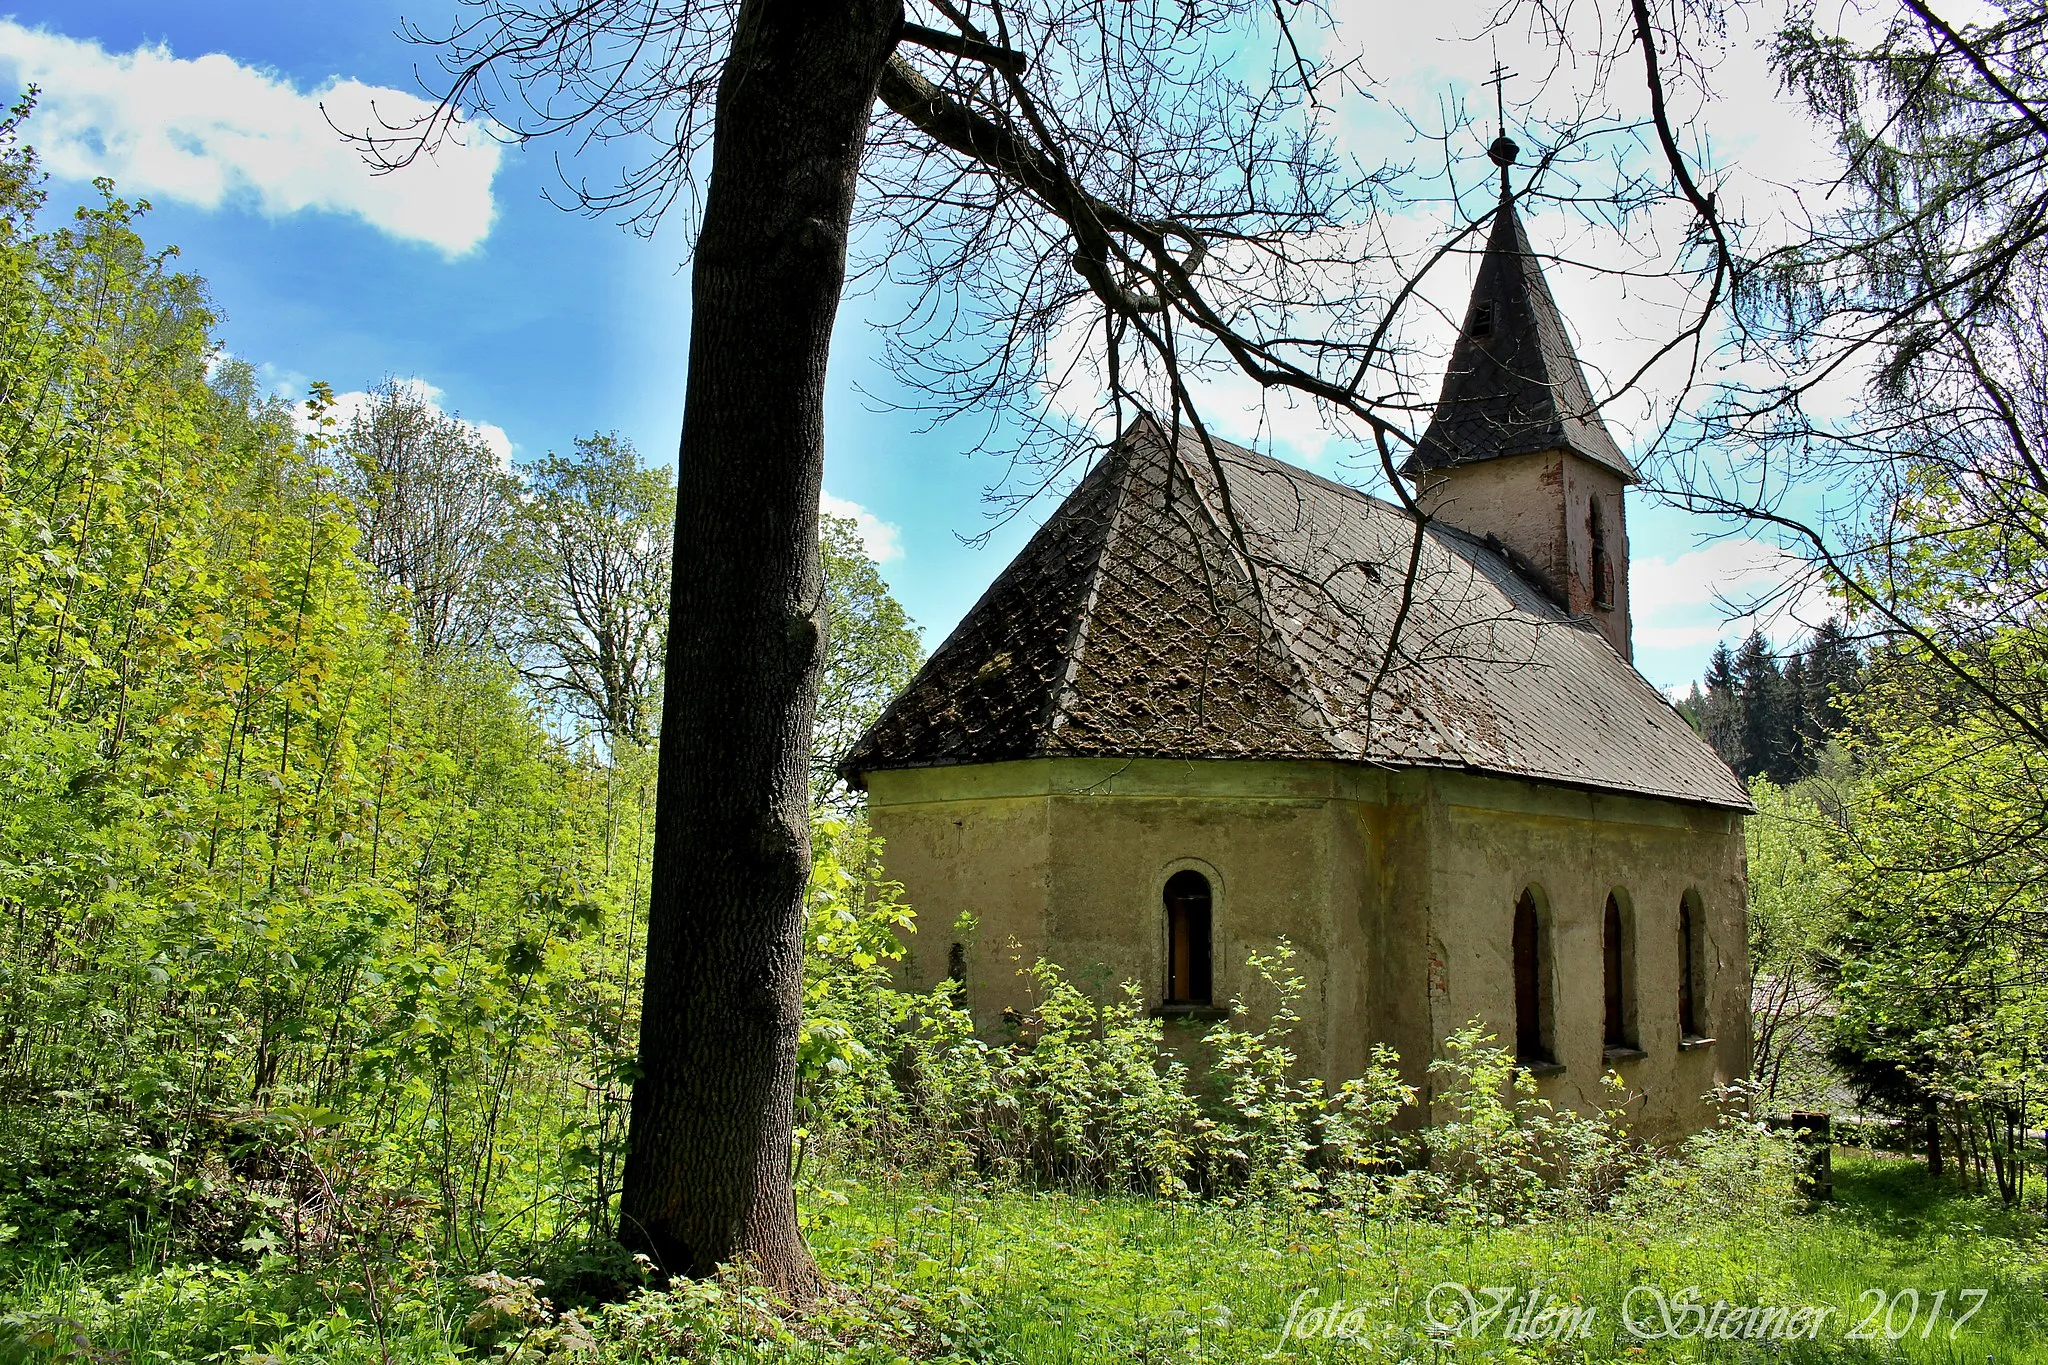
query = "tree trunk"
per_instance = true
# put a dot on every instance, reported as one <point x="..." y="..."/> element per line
<point x="707" y="1177"/>
<point x="1933" y="1141"/>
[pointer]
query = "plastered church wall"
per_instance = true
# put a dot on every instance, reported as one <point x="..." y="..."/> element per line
<point x="1397" y="891"/>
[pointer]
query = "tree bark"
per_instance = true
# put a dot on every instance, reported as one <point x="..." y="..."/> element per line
<point x="707" y="1176"/>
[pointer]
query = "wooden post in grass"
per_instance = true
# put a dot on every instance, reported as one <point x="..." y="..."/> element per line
<point x="1815" y="1136"/>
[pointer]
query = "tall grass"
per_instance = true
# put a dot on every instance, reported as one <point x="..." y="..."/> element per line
<point x="931" y="1269"/>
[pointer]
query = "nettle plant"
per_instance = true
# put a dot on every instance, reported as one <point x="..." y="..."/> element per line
<point x="1086" y="1090"/>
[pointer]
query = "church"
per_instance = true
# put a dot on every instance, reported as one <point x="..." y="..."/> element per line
<point x="1208" y="707"/>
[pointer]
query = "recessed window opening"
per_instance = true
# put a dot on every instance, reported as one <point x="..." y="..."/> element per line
<point x="1188" y="938"/>
<point x="1691" y="1022"/>
<point x="1603" y="562"/>
<point x="1532" y="987"/>
<point x="1482" y="319"/>
<point x="1617" y="958"/>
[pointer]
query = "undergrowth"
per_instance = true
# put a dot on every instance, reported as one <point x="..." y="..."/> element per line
<point x="930" y="1269"/>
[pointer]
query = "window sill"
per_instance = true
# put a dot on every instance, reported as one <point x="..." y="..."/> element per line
<point x="1611" y="1055"/>
<point x="1691" y="1043"/>
<point x="1539" y="1067"/>
<point x="1204" y="1013"/>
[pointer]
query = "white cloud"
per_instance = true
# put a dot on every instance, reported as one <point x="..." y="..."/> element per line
<point x="347" y="405"/>
<point x="884" y="540"/>
<point x="210" y="131"/>
<point x="1689" y="600"/>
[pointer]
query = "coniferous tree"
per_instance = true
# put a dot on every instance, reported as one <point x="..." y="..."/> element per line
<point x="1834" y="674"/>
<point x="1763" y="718"/>
<point x="1764" y="715"/>
<point x="1799" y="744"/>
<point x="1720" y="712"/>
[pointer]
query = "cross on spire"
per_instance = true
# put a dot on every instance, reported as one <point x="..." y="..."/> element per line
<point x="1504" y="150"/>
<point x="1500" y="99"/>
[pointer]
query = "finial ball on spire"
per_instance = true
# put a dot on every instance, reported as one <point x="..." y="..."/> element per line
<point x="1503" y="151"/>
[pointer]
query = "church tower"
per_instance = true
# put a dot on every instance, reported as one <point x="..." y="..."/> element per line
<point x="1516" y="450"/>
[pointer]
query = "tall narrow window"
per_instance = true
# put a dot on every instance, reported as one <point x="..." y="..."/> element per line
<point x="1603" y="563"/>
<point x="1689" y="1019"/>
<point x="1532" y="996"/>
<point x="1617" y="961"/>
<point x="1188" y="938"/>
<point x="1482" y="319"/>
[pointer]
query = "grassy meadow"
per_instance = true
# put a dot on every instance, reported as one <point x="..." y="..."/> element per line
<point x="924" y="1270"/>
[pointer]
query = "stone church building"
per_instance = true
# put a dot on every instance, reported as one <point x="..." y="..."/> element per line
<point x="1172" y="731"/>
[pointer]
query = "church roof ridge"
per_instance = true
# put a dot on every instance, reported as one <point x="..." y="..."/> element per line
<point x="1514" y="384"/>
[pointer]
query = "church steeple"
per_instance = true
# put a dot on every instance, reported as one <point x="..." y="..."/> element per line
<point x="1516" y="451"/>
<point x="1514" y="384"/>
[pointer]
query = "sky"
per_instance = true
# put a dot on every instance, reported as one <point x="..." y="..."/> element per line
<point x="540" y="325"/>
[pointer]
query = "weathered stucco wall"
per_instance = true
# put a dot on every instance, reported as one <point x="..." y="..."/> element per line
<point x="1539" y="506"/>
<point x="1397" y="890"/>
<point x="1490" y="839"/>
<point x="1584" y="484"/>
<point x="1519" y="498"/>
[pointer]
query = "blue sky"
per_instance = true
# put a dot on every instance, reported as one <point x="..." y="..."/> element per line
<point x="543" y="324"/>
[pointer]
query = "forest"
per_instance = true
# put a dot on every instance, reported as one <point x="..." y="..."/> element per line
<point x="330" y="759"/>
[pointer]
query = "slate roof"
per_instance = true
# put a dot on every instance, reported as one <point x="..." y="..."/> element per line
<point x="1134" y="625"/>
<point x="1514" y="384"/>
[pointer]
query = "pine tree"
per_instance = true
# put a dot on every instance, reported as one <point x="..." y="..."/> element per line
<point x="1834" y="674"/>
<point x="1720" y="711"/>
<point x="1801" y="744"/>
<point x="1762" y="718"/>
<point x="1770" y="714"/>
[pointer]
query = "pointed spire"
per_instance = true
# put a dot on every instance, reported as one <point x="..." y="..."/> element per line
<point x="1514" y="384"/>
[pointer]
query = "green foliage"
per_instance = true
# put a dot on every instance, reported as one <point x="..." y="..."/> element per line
<point x="312" y="941"/>
<point x="1088" y="1092"/>
<point x="1929" y="265"/>
<point x="927" y="1270"/>
<point x="587" y="571"/>
<point x="1798" y="891"/>
<point x="871" y="651"/>
<point x="318" y="944"/>
<point x="1498" y="1153"/>
<point x="1941" y="1005"/>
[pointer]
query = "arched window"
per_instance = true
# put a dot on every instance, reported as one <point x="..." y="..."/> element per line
<point x="1532" y="984"/>
<point x="1618" y="974"/>
<point x="1691" y="1021"/>
<point x="1603" y="562"/>
<point x="1188" y="929"/>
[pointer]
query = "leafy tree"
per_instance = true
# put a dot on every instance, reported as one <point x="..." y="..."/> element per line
<point x="283" y="891"/>
<point x="1796" y="901"/>
<point x="433" y="505"/>
<point x="1942" y="1000"/>
<point x="1926" y="271"/>
<point x="871" y="651"/>
<point x="588" y="580"/>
